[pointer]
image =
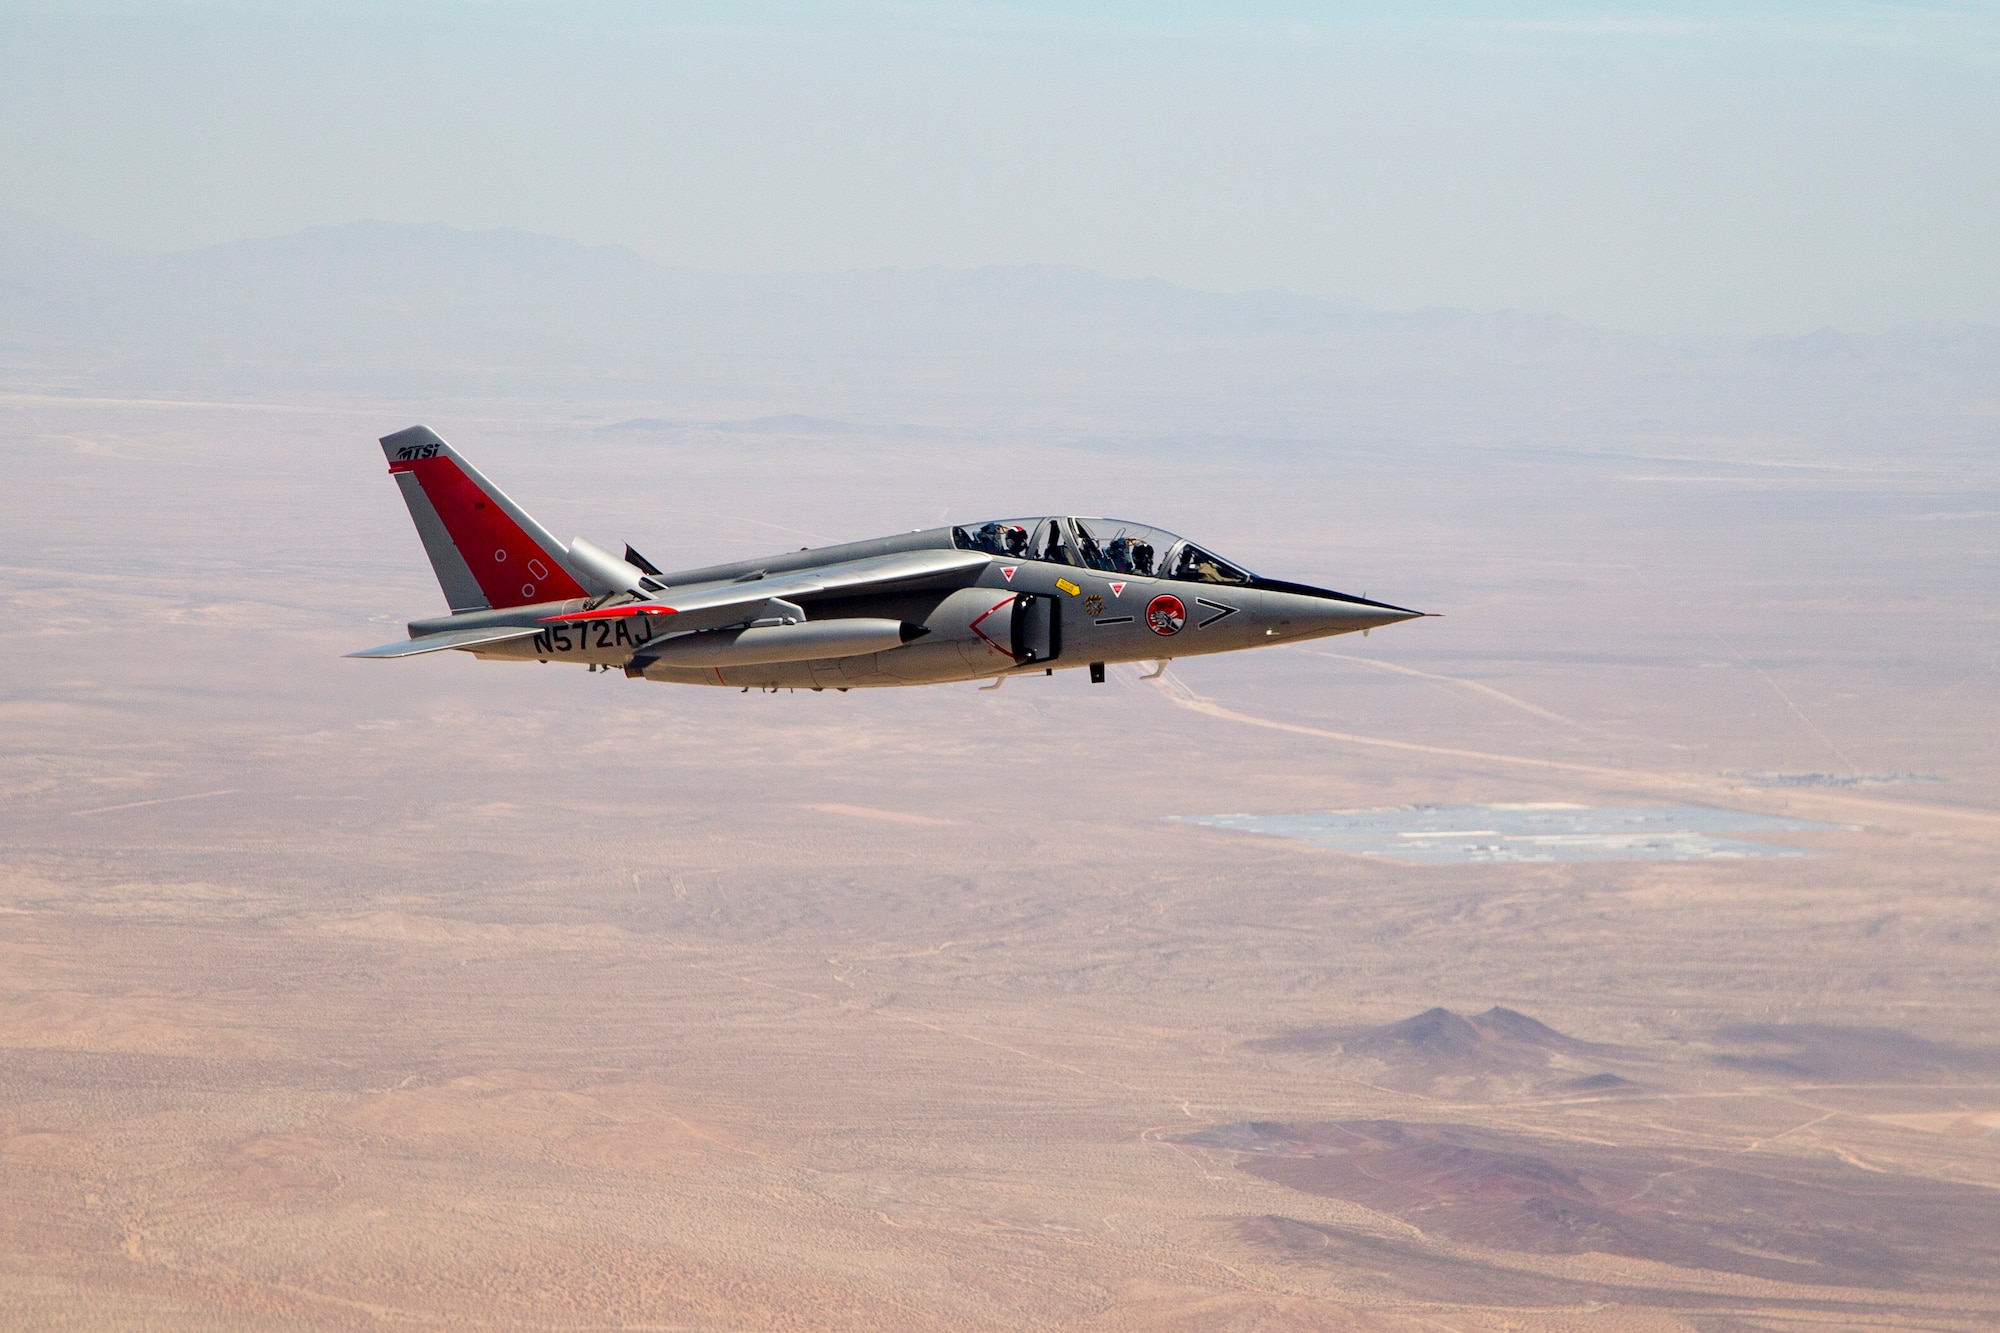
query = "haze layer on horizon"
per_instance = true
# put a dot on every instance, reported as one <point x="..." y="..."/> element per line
<point x="1700" y="169"/>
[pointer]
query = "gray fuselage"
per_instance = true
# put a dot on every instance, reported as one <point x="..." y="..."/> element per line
<point x="1015" y="614"/>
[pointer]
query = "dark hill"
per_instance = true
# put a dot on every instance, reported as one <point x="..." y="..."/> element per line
<point x="1440" y="1043"/>
<point x="1847" y="1054"/>
<point x="1805" y="1219"/>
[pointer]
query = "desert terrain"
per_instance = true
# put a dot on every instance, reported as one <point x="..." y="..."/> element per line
<point x="449" y="994"/>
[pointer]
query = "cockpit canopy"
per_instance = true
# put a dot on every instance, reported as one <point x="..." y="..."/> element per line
<point x="1109" y="545"/>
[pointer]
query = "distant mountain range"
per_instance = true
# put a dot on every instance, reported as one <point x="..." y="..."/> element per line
<point x="378" y="307"/>
<point x="515" y="292"/>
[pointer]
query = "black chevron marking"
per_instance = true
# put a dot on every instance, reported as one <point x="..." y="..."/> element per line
<point x="1221" y="612"/>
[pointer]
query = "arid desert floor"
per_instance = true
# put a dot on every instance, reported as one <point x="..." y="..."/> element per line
<point x="441" y="993"/>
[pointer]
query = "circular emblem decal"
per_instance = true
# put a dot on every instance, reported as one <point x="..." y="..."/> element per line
<point x="1165" y="614"/>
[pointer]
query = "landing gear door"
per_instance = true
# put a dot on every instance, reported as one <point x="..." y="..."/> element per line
<point x="1037" y="631"/>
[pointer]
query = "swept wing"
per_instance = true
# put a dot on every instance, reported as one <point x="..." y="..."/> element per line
<point x="901" y="571"/>
<point x="709" y="606"/>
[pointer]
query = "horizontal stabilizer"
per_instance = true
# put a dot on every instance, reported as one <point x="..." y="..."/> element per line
<point x="453" y="638"/>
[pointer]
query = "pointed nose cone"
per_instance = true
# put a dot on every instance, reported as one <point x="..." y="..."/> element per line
<point x="1329" y="617"/>
<point x="1299" y="612"/>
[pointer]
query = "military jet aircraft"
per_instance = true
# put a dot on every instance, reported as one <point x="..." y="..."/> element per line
<point x="973" y="602"/>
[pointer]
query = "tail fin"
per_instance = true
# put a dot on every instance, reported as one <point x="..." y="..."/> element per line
<point x="486" y="551"/>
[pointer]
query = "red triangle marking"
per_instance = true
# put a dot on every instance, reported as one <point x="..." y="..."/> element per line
<point x="1117" y="590"/>
<point x="1007" y="572"/>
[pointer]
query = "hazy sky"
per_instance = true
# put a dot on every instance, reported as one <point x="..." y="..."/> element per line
<point x="1691" y="168"/>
